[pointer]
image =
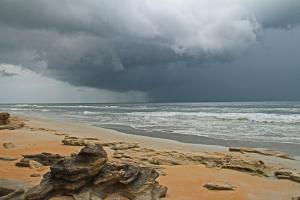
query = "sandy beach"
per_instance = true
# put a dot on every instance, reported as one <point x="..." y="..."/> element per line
<point x="149" y="100"/>
<point x="183" y="168"/>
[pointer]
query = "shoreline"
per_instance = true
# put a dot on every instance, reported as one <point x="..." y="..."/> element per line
<point x="184" y="177"/>
<point x="79" y="129"/>
<point x="156" y="142"/>
<point x="291" y="148"/>
<point x="187" y="141"/>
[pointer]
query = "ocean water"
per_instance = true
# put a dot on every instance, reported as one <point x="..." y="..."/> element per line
<point x="274" y="122"/>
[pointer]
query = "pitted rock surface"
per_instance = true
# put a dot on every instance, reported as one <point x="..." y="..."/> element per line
<point x="87" y="175"/>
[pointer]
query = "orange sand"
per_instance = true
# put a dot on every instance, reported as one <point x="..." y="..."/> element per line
<point x="185" y="183"/>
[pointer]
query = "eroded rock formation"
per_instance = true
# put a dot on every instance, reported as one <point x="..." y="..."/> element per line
<point x="88" y="175"/>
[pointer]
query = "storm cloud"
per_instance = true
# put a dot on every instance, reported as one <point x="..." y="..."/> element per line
<point x="158" y="47"/>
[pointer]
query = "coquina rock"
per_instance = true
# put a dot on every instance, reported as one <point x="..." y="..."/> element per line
<point x="46" y="159"/>
<point x="12" y="190"/>
<point x="88" y="175"/>
<point x="287" y="174"/>
<point x="265" y="152"/>
<point x="218" y="186"/>
<point x="4" y="118"/>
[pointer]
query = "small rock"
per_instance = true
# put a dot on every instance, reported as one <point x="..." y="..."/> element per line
<point x="34" y="164"/>
<point x="8" y="145"/>
<point x="211" y="165"/>
<point x="296" y="198"/>
<point x="60" y="134"/>
<point x="8" y="158"/>
<point x="218" y="186"/>
<point x="35" y="175"/>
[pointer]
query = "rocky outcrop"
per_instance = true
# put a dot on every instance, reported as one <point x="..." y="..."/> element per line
<point x="76" y="141"/>
<point x="218" y="186"/>
<point x="4" y="118"/>
<point x="46" y="159"/>
<point x="10" y="123"/>
<point x="125" y="152"/>
<point x="265" y="152"/>
<point x="287" y="174"/>
<point x="88" y="175"/>
<point x="35" y="175"/>
<point x="218" y="160"/>
<point x="153" y="158"/>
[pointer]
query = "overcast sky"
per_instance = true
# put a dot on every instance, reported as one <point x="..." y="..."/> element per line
<point x="149" y="50"/>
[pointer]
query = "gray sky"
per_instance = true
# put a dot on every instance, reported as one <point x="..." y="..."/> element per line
<point x="149" y="50"/>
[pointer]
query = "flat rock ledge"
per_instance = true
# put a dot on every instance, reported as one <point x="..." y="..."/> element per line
<point x="265" y="152"/>
<point x="218" y="186"/>
<point x="45" y="159"/>
<point x="89" y="176"/>
<point x="75" y="141"/>
<point x="288" y="174"/>
<point x="133" y="153"/>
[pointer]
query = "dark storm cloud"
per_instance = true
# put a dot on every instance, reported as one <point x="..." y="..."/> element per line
<point x="275" y="13"/>
<point x="133" y="45"/>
